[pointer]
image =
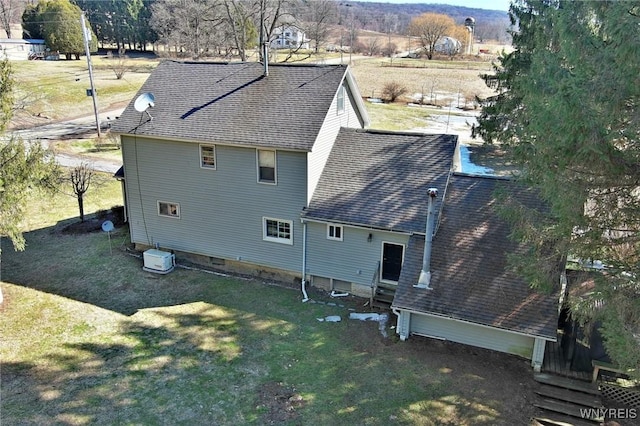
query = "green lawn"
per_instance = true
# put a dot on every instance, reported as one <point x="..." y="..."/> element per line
<point x="87" y="337"/>
<point x="90" y="338"/>
<point x="58" y="89"/>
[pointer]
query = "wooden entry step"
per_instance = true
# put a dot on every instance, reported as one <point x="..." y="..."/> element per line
<point x="575" y="411"/>
<point x="566" y="383"/>
<point x="383" y="297"/>
<point x="554" y="419"/>
<point x="567" y="401"/>
<point x="587" y="400"/>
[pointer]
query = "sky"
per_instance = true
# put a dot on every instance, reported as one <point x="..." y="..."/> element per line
<point x="476" y="4"/>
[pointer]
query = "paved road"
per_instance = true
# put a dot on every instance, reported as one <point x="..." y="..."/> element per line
<point x="82" y="127"/>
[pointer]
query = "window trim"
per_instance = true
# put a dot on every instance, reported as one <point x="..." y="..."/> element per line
<point x="334" y="238"/>
<point x="275" y="167"/>
<point x="340" y="100"/>
<point x="215" y="159"/>
<point x="168" y="203"/>
<point x="279" y="240"/>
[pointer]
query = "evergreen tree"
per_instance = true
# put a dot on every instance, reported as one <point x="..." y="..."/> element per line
<point x="23" y="168"/>
<point x="58" y="23"/>
<point x="567" y="113"/>
<point x="31" y="23"/>
<point x="6" y="94"/>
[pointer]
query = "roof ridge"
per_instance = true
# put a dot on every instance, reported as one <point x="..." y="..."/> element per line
<point x="278" y="64"/>
<point x="399" y="132"/>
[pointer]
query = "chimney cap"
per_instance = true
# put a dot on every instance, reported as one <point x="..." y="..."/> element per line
<point x="433" y="192"/>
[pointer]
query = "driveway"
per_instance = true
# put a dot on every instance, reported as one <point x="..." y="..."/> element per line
<point x="49" y="134"/>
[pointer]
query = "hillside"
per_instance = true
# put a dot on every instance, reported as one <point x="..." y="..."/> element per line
<point x="490" y="24"/>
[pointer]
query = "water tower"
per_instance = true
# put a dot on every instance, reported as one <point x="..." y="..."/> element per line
<point x="470" y="24"/>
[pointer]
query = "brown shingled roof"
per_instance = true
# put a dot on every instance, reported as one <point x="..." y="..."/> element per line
<point x="236" y="104"/>
<point x="471" y="278"/>
<point x="380" y="179"/>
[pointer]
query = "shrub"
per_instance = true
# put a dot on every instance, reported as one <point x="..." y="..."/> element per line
<point x="393" y="90"/>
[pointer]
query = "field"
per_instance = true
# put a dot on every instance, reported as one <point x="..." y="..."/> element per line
<point x="90" y="338"/>
<point x="51" y="91"/>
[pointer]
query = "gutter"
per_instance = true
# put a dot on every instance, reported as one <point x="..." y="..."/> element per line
<point x="358" y="225"/>
<point x="397" y="311"/>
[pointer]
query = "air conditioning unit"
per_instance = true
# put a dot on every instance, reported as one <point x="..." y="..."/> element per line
<point x="158" y="261"/>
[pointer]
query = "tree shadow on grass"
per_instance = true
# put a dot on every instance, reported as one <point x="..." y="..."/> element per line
<point x="96" y="268"/>
<point x="211" y="367"/>
<point x="181" y="372"/>
<point x="197" y="348"/>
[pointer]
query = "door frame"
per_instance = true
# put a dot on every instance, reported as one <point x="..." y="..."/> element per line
<point x="382" y="260"/>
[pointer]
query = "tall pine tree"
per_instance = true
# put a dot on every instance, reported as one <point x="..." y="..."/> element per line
<point x="24" y="168"/>
<point x="567" y="113"/>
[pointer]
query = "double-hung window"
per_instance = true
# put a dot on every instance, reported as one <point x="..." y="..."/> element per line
<point x="208" y="157"/>
<point x="266" y="166"/>
<point x="277" y="230"/>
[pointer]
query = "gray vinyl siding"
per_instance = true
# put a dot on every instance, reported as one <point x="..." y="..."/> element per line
<point x="471" y="334"/>
<point x="353" y="259"/>
<point x="327" y="136"/>
<point x="221" y="210"/>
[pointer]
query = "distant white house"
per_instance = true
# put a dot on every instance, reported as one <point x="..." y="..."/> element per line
<point x="289" y="37"/>
<point x="19" y="49"/>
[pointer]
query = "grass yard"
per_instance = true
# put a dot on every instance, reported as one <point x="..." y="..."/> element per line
<point x="55" y="90"/>
<point x="90" y="338"/>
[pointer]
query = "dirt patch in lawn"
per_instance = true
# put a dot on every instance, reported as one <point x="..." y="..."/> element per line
<point x="94" y="222"/>
<point x="280" y="403"/>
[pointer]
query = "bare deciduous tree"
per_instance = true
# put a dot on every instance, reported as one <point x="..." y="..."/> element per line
<point x="80" y="177"/>
<point x="429" y="28"/>
<point x="192" y="26"/>
<point x="240" y="25"/>
<point x="372" y="46"/>
<point x="390" y="26"/>
<point x="118" y="64"/>
<point x="10" y="13"/>
<point x="319" y="15"/>
<point x="270" y="17"/>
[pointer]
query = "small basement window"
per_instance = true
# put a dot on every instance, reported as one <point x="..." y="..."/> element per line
<point x="208" y="156"/>
<point x="334" y="232"/>
<point x="168" y="209"/>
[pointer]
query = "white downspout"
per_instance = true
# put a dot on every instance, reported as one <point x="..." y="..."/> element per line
<point x="304" y="262"/>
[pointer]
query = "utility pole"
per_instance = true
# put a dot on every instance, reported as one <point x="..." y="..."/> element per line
<point x="87" y="36"/>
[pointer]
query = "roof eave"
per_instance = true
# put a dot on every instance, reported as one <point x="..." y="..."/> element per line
<point x="366" y="121"/>
<point x="449" y="317"/>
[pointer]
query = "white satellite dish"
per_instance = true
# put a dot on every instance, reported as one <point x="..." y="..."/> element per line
<point x="144" y="102"/>
<point x="107" y="226"/>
